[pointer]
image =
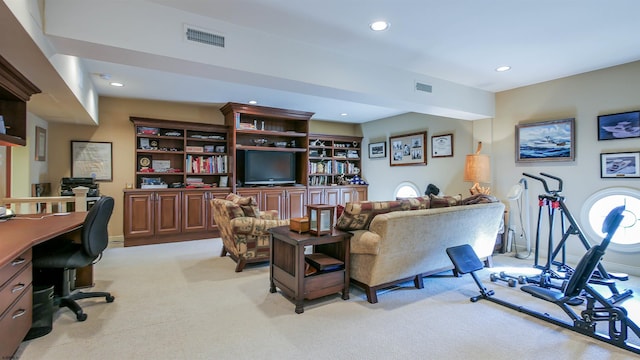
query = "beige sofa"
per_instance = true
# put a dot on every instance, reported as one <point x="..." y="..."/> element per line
<point x="405" y="240"/>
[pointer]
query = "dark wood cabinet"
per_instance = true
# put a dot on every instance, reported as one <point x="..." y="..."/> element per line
<point x="151" y="217"/>
<point x="197" y="215"/>
<point x="181" y="153"/>
<point x="15" y="91"/>
<point x="16" y="307"/>
<point x="290" y="202"/>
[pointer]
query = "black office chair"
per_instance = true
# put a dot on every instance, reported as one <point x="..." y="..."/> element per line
<point x="55" y="261"/>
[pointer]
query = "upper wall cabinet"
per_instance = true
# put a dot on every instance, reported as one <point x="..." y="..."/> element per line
<point x="265" y="129"/>
<point x="15" y="91"/>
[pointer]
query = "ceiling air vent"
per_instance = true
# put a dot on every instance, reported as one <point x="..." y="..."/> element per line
<point x="423" y="87"/>
<point x="205" y="37"/>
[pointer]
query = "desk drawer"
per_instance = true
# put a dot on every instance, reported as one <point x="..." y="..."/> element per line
<point x="15" y="287"/>
<point x="14" y="266"/>
<point x="14" y="325"/>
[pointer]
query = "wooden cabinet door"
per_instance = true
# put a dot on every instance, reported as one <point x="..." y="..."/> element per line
<point x="194" y="210"/>
<point x="316" y="196"/>
<point x="167" y="216"/>
<point x="274" y="200"/>
<point x="139" y="214"/>
<point x="347" y="195"/>
<point x="362" y="194"/>
<point x="296" y="202"/>
<point x="332" y="196"/>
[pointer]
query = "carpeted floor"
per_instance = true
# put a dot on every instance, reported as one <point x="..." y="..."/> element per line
<point x="182" y="301"/>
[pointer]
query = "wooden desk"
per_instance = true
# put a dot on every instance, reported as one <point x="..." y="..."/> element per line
<point x="19" y="235"/>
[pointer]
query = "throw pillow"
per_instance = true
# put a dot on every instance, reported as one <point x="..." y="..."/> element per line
<point x="248" y="204"/>
<point x="444" y="201"/>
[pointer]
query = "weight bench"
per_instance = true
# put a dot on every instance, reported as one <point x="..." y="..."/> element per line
<point x="598" y="308"/>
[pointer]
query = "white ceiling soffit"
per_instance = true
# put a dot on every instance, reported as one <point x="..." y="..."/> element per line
<point x="150" y="37"/>
<point x="320" y="56"/>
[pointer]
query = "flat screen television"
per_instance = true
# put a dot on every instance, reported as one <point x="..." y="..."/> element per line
<point x="269" y="167"/>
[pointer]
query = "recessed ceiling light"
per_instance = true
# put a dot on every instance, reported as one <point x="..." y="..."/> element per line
<point x="116" y="84"/>
<point x="344" y="114"/>
<point x="379" y="25"/>
<point x="252" y="102"/>
<point x="503" y="68"/>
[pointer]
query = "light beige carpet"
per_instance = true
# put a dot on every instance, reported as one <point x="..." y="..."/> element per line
<point x="182" y="301"/>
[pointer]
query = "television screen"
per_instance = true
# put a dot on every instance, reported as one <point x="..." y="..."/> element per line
<point x="269" y="167"/>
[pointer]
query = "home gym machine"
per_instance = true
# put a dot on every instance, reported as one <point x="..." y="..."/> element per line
<point x="598" y="309"/>
<point x="554" y="202"/>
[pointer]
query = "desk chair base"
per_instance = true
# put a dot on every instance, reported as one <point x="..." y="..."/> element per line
<point x="598" y="308"/>
<point x="63" y="281"/>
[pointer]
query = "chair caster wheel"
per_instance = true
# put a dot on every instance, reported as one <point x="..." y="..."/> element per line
<point x="81" y="317"/>
<point x="110" y="298"/>
<point x="512" y="283"/>
<point x="493" y="277"/>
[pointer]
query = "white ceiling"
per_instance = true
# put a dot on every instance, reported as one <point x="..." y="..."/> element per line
<point x="320" y="56"/>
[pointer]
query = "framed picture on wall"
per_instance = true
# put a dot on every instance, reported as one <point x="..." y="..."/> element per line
<point x="378" y="150"/>
<point x="619" y="126"/>
<point x="92" y="159"/>
<point x="546" y="141"/>
<point x="409" y="149"/>
<point x="620" y="165"/>
<point x="442" y="145"/>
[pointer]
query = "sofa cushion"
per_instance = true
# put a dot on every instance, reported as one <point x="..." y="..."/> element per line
<point x="248" y="204"/>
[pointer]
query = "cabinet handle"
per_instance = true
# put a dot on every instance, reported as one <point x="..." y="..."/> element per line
<point x="18" y="261"/>
<point x="17" y="288"/>
<point x="18" y="313"/>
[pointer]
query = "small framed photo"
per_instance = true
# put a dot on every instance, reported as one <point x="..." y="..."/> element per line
<point x="546" y="141"/>
<point x="219" y="148"/>
<point x="408" y="149"/>
<point x="378" y="150"/>
<point x="442" y="145"/>
<point x="620" y="165"/>
<point x="619" y="126"/>
<point x="224" y="181"/>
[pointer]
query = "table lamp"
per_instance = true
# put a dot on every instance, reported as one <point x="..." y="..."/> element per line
<point x="477" y="169"/>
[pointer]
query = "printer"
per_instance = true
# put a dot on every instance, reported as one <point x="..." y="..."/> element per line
<point x="68" y="183"/>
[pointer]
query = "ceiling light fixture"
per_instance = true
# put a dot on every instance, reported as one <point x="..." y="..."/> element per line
<point x="379" y="25"/>
<point x="116" y="84"/>
<point x="503" y="68"/>
<point x="252" y="102"/>
<point x="344" y="114"/>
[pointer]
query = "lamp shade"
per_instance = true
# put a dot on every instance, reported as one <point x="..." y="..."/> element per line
<point x="477" y="168"/>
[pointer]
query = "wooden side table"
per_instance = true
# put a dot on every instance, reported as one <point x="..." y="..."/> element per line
<point x="287" y="267"/>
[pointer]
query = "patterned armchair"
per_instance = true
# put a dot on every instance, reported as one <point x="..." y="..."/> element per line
<point x="243" y="229"/>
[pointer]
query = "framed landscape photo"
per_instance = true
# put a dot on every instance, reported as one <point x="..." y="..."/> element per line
<point x="546" y="141"/>
<point x="442" y="145"/>
<point x="620" y="165"/>
<point x="619" y="126"/>
<point x="408" y="149"/>
<point x="378" y="150"/>
<point x="92" y="159"/>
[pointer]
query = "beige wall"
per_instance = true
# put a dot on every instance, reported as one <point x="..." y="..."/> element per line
<point x="115" y="127"/>
<point x="445" y="173"/>
<point x="583" y="97"/>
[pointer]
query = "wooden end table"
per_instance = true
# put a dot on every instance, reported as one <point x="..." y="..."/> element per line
<point x="287" y="269"/>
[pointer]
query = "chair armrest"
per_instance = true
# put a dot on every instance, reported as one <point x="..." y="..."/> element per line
<point x="365" y="242"/>
<point x="254" y="226"/>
